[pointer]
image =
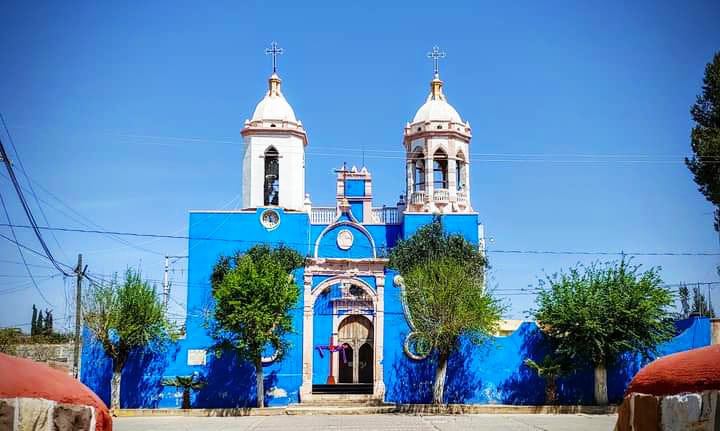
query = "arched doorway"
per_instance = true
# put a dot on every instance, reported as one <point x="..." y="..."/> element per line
<point x="356" y="332"/>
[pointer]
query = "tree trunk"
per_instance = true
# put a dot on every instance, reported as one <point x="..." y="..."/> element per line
<point x="260" y="383"/>
<point x="550" y="390"/>
<point x="601" y="396"/>
<point x="186" y="398"/>
<point x="115" y="385"/>
<point x="440" y="374"/>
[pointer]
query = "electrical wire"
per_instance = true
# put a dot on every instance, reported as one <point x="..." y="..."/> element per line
<point x="22" y="255"/>
<point x="27" y="179"/>
<point x="27" y="210"/>
<point x="305" y="244"/>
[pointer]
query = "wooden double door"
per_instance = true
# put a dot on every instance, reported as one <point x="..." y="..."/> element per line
<point x="356" y="332"/>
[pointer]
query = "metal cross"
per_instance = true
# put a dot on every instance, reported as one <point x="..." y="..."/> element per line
<point x="274" y="50"/>
<point x="436" y="55"/>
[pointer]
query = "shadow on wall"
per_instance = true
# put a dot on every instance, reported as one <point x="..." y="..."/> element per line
<point x="461" y="384"/>
<point x="140" y="386"/>
<point x="230" y="383"/>
<point x="413" y="379"/>
<point x="524" y="386"/>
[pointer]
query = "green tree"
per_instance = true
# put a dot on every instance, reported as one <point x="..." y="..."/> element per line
<point x="9" y="338"/>
<point x="124" y="317"/>
<point x="33" y="322"/>
<point x="701" y="304"/>
<point x="253" y="294"/>
<point x="595" y="313"/>
<point x="48" y="327"/>
<point x="188" y="384"/>
<point x="39" y="324"/>
<point x="429" y="243"/>
<point x="705" y="137"/>
<point x="447" y="301"/>
<point x="684" y="295"/>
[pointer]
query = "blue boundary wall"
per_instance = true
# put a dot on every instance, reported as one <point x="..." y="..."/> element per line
<point x="494" y="372"/>
<point x="491" y="373"/>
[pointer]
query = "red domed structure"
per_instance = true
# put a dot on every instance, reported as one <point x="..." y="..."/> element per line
<point x="678" y="391"/>
<point x="46" y="395"/>
<point x="696" y="370"/>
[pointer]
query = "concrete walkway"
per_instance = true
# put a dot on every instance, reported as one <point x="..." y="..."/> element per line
<point x="398" y="422"/>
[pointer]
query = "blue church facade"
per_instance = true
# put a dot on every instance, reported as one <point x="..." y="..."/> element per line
<point x="349" y="297"/>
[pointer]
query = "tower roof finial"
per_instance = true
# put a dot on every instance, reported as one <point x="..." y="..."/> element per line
<point x="436" y="55"/>
<point x="274" y="50"/>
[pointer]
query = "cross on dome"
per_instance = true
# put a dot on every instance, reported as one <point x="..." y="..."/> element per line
<point x="274" y="50"/>
<point x="436" y="55"/>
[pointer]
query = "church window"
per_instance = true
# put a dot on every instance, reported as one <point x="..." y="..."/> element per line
<point x="419" y="172"/>
<point x="440" y="170"/>
<point x="272" y="177"/>
<point x="460" y="172"/>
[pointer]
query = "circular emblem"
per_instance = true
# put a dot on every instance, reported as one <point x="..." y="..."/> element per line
<point x="345" y="239"/>
<point x="270" y="219"/>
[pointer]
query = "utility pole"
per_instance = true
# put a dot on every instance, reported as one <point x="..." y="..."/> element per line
<point x="166" y="284"/>
<point x="166" y="281"/>
<point x="80" y="272"/>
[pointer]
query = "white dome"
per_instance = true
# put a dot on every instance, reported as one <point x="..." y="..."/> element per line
<point x="274" y="106"/>
<point x="437" y="110"/>
<point x="436" y="107"/>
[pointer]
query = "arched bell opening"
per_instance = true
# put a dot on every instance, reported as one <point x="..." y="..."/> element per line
<point x="272" y="177"/>
<point x="418" y="162"/>
<point x="440" y="170"/>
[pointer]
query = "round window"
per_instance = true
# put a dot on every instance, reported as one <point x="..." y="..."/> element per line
<point x="270" y="219"/>
<point x="345" y="239"/>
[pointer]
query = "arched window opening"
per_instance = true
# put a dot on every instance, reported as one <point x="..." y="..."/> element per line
<point x="440" y="170"/>
<point x="272" y="177"/>
<point x="418" y="172"/>
<point x="461" y="172"/>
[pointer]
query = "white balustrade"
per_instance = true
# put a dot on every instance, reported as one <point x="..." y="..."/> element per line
<point x="417" y="198"/>
<point x="462" y="196"/>
<point x="441" y="195"/>
<point x="323" y="215"/>
<point x="385" y="215"/>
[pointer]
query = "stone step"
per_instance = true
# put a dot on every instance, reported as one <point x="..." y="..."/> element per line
<point x="342" y="400"/>
<point x="301" y="409"/>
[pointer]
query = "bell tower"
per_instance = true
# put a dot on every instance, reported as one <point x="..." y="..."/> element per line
<point x="274" y="158"/>
<point x="437" y="154"/>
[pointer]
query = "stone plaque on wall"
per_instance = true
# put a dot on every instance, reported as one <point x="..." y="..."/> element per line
<point x="196" y="357"/>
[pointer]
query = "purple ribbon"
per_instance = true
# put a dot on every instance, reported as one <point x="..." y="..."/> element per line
<point x="339" y="348"/>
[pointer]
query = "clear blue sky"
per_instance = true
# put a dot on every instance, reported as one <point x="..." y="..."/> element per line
<point x="131" y="113"/>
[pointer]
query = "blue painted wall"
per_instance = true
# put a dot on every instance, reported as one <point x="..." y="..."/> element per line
<point x="354" y="187"/>
<point x="494" y="372"/>
<point x="490" y="373"/>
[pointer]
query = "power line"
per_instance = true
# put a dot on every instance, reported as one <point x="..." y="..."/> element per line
<point x="27" y="179"/>
<point x="27" y="210"/>
<point x="306" y="244"/>
<point x="22" y="255"/>
<point x="23" y="246"/>
<point x="79" y="220"/>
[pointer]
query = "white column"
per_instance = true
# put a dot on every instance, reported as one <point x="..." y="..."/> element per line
<point x="306" y="387"/>
<point x="429" y="183"/>
<point x="379" y="327"/>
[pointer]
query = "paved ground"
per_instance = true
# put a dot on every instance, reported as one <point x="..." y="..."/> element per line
<point x="373" y="422"/>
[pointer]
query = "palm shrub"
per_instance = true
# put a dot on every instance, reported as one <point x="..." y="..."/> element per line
<point x="188" y="384"/>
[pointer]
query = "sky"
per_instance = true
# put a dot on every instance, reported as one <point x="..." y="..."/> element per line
<point x="128" y="115"/>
